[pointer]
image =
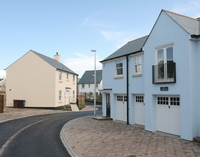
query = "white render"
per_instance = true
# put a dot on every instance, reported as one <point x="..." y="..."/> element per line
<point x="89" y="88"/>
<point x="37" y="82"/>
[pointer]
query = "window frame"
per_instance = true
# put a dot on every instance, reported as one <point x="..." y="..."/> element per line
<point x="163" y="62"/>
<point x="136" y="65"/>
<point x="60" y="95"/>
<point x="118" y="68"/>
<point x="60" y="75"/>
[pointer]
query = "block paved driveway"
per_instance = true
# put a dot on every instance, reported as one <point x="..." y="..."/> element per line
<point x="89" y="138"/>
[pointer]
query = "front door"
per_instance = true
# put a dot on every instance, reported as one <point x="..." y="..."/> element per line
<point x="67" y="96"/>
<point x="108" y="105"/>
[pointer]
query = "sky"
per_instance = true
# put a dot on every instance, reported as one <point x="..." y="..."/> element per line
<point x="75" y="27"/>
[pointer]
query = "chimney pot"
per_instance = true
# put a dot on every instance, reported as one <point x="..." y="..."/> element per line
<point x="57" y="57"/>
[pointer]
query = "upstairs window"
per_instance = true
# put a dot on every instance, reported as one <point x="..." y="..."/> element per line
<point x="67" y="76"/>
<point x="119" y="68"/>
<point x="60" y="76"/>
<point x="137" y="64"/>
<point x="165" y="70"/>
<point x="73" y="78"/>
<point x="83" y="85"/>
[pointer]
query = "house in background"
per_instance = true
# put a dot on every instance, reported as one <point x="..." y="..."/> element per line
<point x="40" y="81"/>
<point x="86" y="83"/>
<point x="153" y="81"/>
<point x="2" y="84"/>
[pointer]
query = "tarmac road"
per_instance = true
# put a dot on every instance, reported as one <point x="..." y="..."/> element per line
<point x="37" y="136"/>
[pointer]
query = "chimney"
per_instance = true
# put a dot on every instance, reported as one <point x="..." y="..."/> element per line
<point x="57" y="57"/>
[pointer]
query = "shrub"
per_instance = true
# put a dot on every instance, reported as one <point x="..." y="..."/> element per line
<point x="65" y="107"/>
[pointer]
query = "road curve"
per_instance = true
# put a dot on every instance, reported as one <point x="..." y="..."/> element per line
<point x="36" y="136"/>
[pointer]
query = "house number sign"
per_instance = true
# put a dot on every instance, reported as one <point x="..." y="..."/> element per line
<point x="164" y="88"/>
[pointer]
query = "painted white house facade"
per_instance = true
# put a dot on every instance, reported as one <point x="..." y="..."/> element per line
<point x="153" y="81"/>
<point x="86" y="83"/>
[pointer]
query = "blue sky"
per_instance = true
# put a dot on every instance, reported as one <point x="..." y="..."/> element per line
<point x="74" y="27"/>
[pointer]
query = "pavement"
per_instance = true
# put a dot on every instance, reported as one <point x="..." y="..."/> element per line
<point x="87" y="137"/>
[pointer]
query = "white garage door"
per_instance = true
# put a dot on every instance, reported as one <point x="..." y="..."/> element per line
<point x="121" y="108"/>
<point x="168" y="114"/>
<point x="139" y="109"/>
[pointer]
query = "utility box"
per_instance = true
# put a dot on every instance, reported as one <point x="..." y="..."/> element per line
<point x="81" y="99"/>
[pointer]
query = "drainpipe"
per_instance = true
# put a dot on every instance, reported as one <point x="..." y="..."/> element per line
<point x="127" y="87"/>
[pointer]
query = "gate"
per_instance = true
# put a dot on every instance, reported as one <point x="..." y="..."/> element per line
<point x="2" y="102"/>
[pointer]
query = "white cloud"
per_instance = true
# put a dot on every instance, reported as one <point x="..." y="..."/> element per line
<point x="190" y="8"/>
<point x="94" y="21"/>
<point x="111" y="35"/>
<point x="2" y="74"/>
<point x="82" y="63"/>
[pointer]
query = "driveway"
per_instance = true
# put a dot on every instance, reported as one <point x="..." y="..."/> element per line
<point x="88" y="138"/>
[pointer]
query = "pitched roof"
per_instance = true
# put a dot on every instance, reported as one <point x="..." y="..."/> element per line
<point x="191" y="25"/>
<point x="54" y="63"/>
<point x="131" y="47"/>
<point x="88" y="77"/>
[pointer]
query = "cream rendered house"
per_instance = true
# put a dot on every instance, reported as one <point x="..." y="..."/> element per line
<point x="40" y="81"/>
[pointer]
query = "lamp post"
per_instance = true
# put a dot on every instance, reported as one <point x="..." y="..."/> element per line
<point x="94" y="81"/>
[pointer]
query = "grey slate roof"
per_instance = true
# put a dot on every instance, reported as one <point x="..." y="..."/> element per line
<point x="191" y="25"/>
<point x="54" y="63"/>
<point x="88" y="77"/>
<point x="129" y="48"/>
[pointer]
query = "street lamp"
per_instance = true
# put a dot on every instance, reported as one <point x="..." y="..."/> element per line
<point x="94" y="81"/>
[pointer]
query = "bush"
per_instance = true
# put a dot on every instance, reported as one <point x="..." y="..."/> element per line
<point x="81" y="106"/>
<point x="65" y="108"/>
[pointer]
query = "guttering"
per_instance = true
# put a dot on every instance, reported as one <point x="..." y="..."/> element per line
<point x="127" y="87"/>
<point x="121" y="56"/>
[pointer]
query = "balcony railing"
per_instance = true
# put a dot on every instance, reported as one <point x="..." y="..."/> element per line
<point x="164" y="73"/>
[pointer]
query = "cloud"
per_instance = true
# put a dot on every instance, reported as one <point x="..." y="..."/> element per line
<point x="2" y="74"/>
<point x="190" y="8"/>
<point x="94" y="21"/>
<point x="112" y="35"/>
<point x="82" y="63"/>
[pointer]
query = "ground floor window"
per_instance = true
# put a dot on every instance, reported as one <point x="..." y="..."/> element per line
<point x="60" y="95"/>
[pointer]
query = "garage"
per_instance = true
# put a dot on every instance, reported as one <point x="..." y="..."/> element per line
<point x="168" y="114"/>
<point x="121" y="108"/>
<point x="139" y="109"/>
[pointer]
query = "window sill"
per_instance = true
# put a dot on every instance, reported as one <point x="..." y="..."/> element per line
<point x="136" y="75"/>
<point x="60" y="81"/>
<point x="118" y="77"/>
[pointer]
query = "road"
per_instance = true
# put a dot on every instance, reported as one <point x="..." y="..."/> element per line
<point x="37" y="136"/>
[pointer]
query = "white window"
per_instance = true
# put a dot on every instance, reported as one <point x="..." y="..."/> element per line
<point x="119" y="68"/>
<point x="137" y="64"/>
<point x="139" y="98"/>
<point x="60" y="95"/>
<point x="60" y="76"/>
<point x="165" y="70"/>
<point x="88" y="85"/>
<point x="73" y="94"/>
